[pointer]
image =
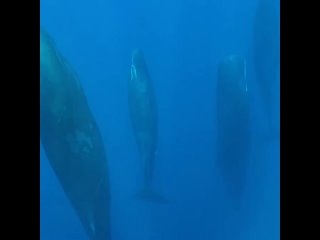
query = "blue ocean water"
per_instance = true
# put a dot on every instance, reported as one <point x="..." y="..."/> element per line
<point x="183" y="42"/>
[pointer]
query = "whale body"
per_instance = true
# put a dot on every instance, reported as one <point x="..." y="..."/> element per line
<point x="72" y="141"/>
<point x="144" y="118"/>
<point x="233" y="122"/>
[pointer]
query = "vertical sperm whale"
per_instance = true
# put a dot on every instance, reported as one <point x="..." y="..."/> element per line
<point x="144" y="118"/>
<point x="72" y="141"/>
<point x="266" y="36"/>
<point x="233" y="125"/>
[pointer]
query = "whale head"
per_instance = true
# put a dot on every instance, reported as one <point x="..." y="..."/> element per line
<point x="138" y="59"/>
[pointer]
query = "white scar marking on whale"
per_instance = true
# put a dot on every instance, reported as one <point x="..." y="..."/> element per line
<point x="80" y="142"/>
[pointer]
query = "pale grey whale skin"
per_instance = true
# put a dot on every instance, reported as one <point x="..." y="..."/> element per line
<point x="144" y="118"/>
<point x="233" y="122"/>
<point x="72" y="141"/>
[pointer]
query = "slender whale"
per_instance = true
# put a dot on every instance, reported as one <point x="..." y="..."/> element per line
<point x="143" y="114"/>
<point x="233" y="122"/>
<point x="72" y="141"/>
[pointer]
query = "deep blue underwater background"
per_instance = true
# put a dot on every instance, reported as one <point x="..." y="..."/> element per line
<point x="183" y="41"/>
